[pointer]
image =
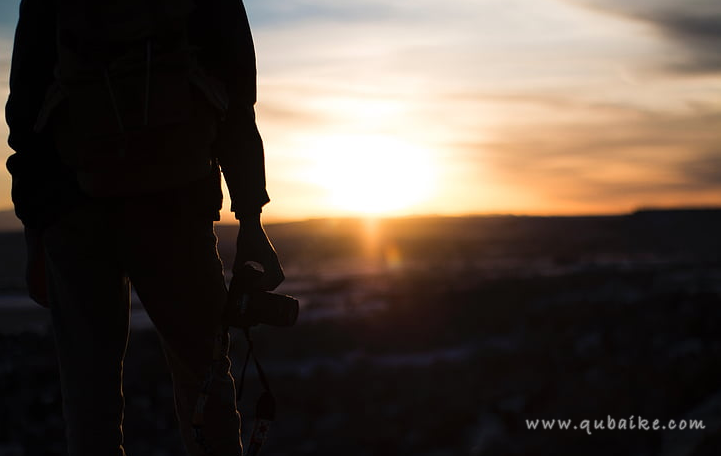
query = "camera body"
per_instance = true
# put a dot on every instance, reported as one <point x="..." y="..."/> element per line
<point x="255" y="307"/>
<point x="249" y="306"/>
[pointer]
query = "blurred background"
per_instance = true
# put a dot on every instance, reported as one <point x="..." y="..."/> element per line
<point x="439" y="336"/>
<point x="491" y="212"/>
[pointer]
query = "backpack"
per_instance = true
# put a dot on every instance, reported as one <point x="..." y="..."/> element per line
<point x="131" y="109"/>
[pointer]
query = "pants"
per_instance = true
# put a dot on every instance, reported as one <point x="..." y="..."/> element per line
<point x="168" y="251"/>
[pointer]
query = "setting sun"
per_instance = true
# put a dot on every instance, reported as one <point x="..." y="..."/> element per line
<point x="371" y="175"/>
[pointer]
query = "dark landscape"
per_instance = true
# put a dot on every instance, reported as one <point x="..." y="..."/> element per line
<point x="440" y="336"/>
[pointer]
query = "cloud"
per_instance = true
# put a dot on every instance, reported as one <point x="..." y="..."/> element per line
<point x="693" y="27"/>
<point x="8" y="16"/>
<point x="635" y="159"/>
<point x="705" y="170"/>
<point x="699" y="36"/>
<point x="283" y="12"/>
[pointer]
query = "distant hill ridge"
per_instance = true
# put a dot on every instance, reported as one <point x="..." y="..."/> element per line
<point x="9" y="222"/>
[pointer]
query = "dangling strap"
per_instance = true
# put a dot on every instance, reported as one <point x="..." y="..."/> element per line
<point x="264" y="408"/>
<point x="261" y="374"/>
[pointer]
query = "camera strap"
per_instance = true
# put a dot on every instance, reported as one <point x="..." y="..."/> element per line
<point x="264" y="407"/>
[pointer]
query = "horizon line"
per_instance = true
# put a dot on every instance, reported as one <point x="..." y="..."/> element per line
<point x="9" y="225"/>
<point x="642" y="209"/>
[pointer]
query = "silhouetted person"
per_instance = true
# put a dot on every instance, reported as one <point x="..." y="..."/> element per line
<point x="121" y="115"/>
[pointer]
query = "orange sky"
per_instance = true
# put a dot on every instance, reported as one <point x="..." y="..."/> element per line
<point x="456" y="107"/>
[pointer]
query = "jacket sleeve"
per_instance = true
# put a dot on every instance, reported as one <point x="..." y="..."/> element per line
<point x="42" y="187"/>
<point x="239" y="147"/>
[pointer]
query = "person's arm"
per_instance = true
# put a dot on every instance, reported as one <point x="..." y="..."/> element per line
<point x="239" y="146"/>
<point x="40" y="184"/>
<point x="42" y="187"/>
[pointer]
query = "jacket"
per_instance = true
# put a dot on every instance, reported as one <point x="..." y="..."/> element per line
<point x="44" y="188"/>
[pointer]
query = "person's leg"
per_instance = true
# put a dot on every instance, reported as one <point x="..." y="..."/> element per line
<point x="175" y="269"/>
<point x="89" y="302"/>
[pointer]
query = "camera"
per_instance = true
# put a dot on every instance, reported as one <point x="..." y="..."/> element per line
<point x="248" y="305"/>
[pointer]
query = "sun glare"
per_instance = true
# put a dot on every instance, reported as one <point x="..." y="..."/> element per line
<point x="371" y="175"/>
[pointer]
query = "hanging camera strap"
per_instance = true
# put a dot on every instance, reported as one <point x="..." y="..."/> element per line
<point x="264" y="408"/>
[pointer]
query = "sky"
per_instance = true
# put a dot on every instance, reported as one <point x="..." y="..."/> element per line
<point x="453" y="107"/>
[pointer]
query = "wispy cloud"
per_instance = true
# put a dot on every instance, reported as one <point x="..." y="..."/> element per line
<point x="692" y="27"/>
<point x="8" y="16"/>
<point x="636" y="159"/>
<point x="278" y="13"/>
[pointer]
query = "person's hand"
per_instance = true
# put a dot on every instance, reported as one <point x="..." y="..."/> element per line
<point x="253" y="245"/>
<point x="35" y="277"/>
